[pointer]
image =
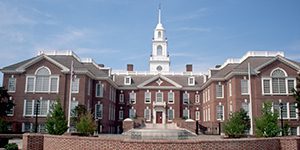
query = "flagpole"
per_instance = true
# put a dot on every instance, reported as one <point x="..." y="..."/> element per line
<point x="70" y="95"/>
<point x="250" y="101"/>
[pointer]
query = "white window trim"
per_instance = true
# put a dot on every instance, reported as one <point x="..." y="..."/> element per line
<point x="26" y="90"/>
<point x="271" y="86"/>
<point x="193" y="83"/>
<point x="127" y="77"/>
<point x="222" y="91"/>
<point x="57" y="88"/>
<point x="223" y="114"/>
<point x="230" y="89"/>
<point x="197" y="117"/>
<point x="162" y="97"/>
<point x="146" y="97"/>
<point x="99" y="85"/>
<point x="173" y="97"/>
<point x="121" y="98"/>
<point x="247" y="87"/>
<point x="188" y="97"/>
<point x="121" y="114"/>
<point x="149" y="113"/>
<point x="15" y="84"/>
<point x="134" y="98"/>
<point x="172" y="113"/>
<point x="197" y="98"/>
<point x="188" y="113"/>
<point x="49" y="86"/>
<point x="77" y="89"/>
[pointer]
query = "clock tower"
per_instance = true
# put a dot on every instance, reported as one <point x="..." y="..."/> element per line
<point x="159" y="59"/>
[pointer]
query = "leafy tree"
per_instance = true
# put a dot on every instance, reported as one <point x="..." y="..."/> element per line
<point x="266" y="125"/>
<point x="3" y="126"/>
<point x="86" y="125"/>
<point x="56" y="121"/>
<point x="5" y="103"/>
<point x="11" y="146"/>
<point x="77" y="113"/>
<point x="237" y="124"/>
<point x="296" y="93"/>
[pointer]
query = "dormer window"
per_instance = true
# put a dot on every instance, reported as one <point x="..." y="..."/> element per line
<point x="127" y="80"/>
<point x="191" y="81"/>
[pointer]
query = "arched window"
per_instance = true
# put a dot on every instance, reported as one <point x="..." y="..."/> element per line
<point x="278" y="81"/>
<point x="159" y="34"/>
<point x="159" y="50"/>
<point x="42" y="79"/>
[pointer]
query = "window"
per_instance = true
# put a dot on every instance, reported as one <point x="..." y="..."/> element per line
<point x="284" y="111"/>
<point x="278" y="81"/>
<point x="293" y="113"/>
<point x="89" y="87"/>
<point x="293" y="130"/>
<point x="121" y="114"/>
<point x="159" y="97"/>
<point x="53" y="84"/>
<point x="220" y="112"/>
<point x="159" y="50"/>
<point x="266" y="86"/>
<point x="197" y="98"/>
<point x="132" y="113"/>
<point x="30" y="84"/>
<point x="11" y="111"/>
<point x="98" y="111"/>
<point x="132" y="97"/>
<point x="170" y="114"/>
<point x="185" y="98"/>
<point x="197" y="115"/>
<point x="11" y="84"/>
<point x="42" y="80"/>
<point x="127" y="80"/>
<point x="147" y="114"/>
<point x="74" y="104"/>
<point x="147" y="97"/>
<point x="159" y="34"/>
<point x="99" y="89"/>
<point x="230" y="89"/>
<point x="170" y="97"/>
<point x="28" y="108"/>
<point x="75" y="85"/>
<point x="43" y="107"/>
<point x="191" y="81"/>
<point x="121" y="98"/>
<point x="186" y="113"/>
<point x="245" y="106"/>
<point x="291" y="85"/>
<point x="219" y="90"/>
<point x="244" y="87"/>
<point x="26" y="127"/>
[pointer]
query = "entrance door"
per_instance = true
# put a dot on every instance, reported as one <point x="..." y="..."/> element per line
<point x="158" y="117"/>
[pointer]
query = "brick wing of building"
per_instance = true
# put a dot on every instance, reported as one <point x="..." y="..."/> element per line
<point x="157" y="97"/>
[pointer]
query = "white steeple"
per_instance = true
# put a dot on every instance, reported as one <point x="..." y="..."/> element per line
<point x="159" y="59"/>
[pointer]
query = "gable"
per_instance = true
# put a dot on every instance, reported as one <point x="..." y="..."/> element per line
<point x="159" y="81"/>
<point x="290" y="69"/>
<point x="43" y="63"/>
<point x="38" y="61"/>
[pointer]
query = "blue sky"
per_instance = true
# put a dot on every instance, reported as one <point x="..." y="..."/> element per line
<point x="118" y="32"/>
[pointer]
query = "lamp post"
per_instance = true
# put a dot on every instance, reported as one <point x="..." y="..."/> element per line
<point x="36" y="115"/>
<point x="281" y="119"/>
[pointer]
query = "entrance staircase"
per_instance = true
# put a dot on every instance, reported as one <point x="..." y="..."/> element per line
<point x="159" y="132"/>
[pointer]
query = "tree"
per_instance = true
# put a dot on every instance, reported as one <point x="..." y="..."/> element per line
<point x="77" y="113"/>
<point x="237" y="125"/>
<point x="5" y="104"/>
<point x="296" y="93"/>
<point x="266" y="125"/>
<point x="3" y="126"/>
<point x="86" y="125"/>
<point x="56" y="122"/>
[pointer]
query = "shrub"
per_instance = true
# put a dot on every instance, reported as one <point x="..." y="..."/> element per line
<point x="3" y="126"/>
<point x="56" y="122"/>
<point x="86" y="125"/>
<point x="11" y="146"/>
<point x="266" y="125"/>
<point x="236" y="126"/>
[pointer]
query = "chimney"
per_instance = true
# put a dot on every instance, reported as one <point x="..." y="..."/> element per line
<point x="189" y="68"/>
<point x="129" y="67"/>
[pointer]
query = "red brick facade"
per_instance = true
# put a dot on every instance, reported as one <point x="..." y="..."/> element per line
<point x="50" y="142"/>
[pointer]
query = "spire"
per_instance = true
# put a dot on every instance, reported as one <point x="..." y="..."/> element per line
<point x="159" y="14"/>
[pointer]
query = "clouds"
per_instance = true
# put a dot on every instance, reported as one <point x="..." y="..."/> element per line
<point x="201" y="12"/>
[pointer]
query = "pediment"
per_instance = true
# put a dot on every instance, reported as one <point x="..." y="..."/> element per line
<point x="159" y="81"/>
<point x="278" y="59"/>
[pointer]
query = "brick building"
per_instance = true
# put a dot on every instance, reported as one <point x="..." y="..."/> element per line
<point x="159" y="96"/>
